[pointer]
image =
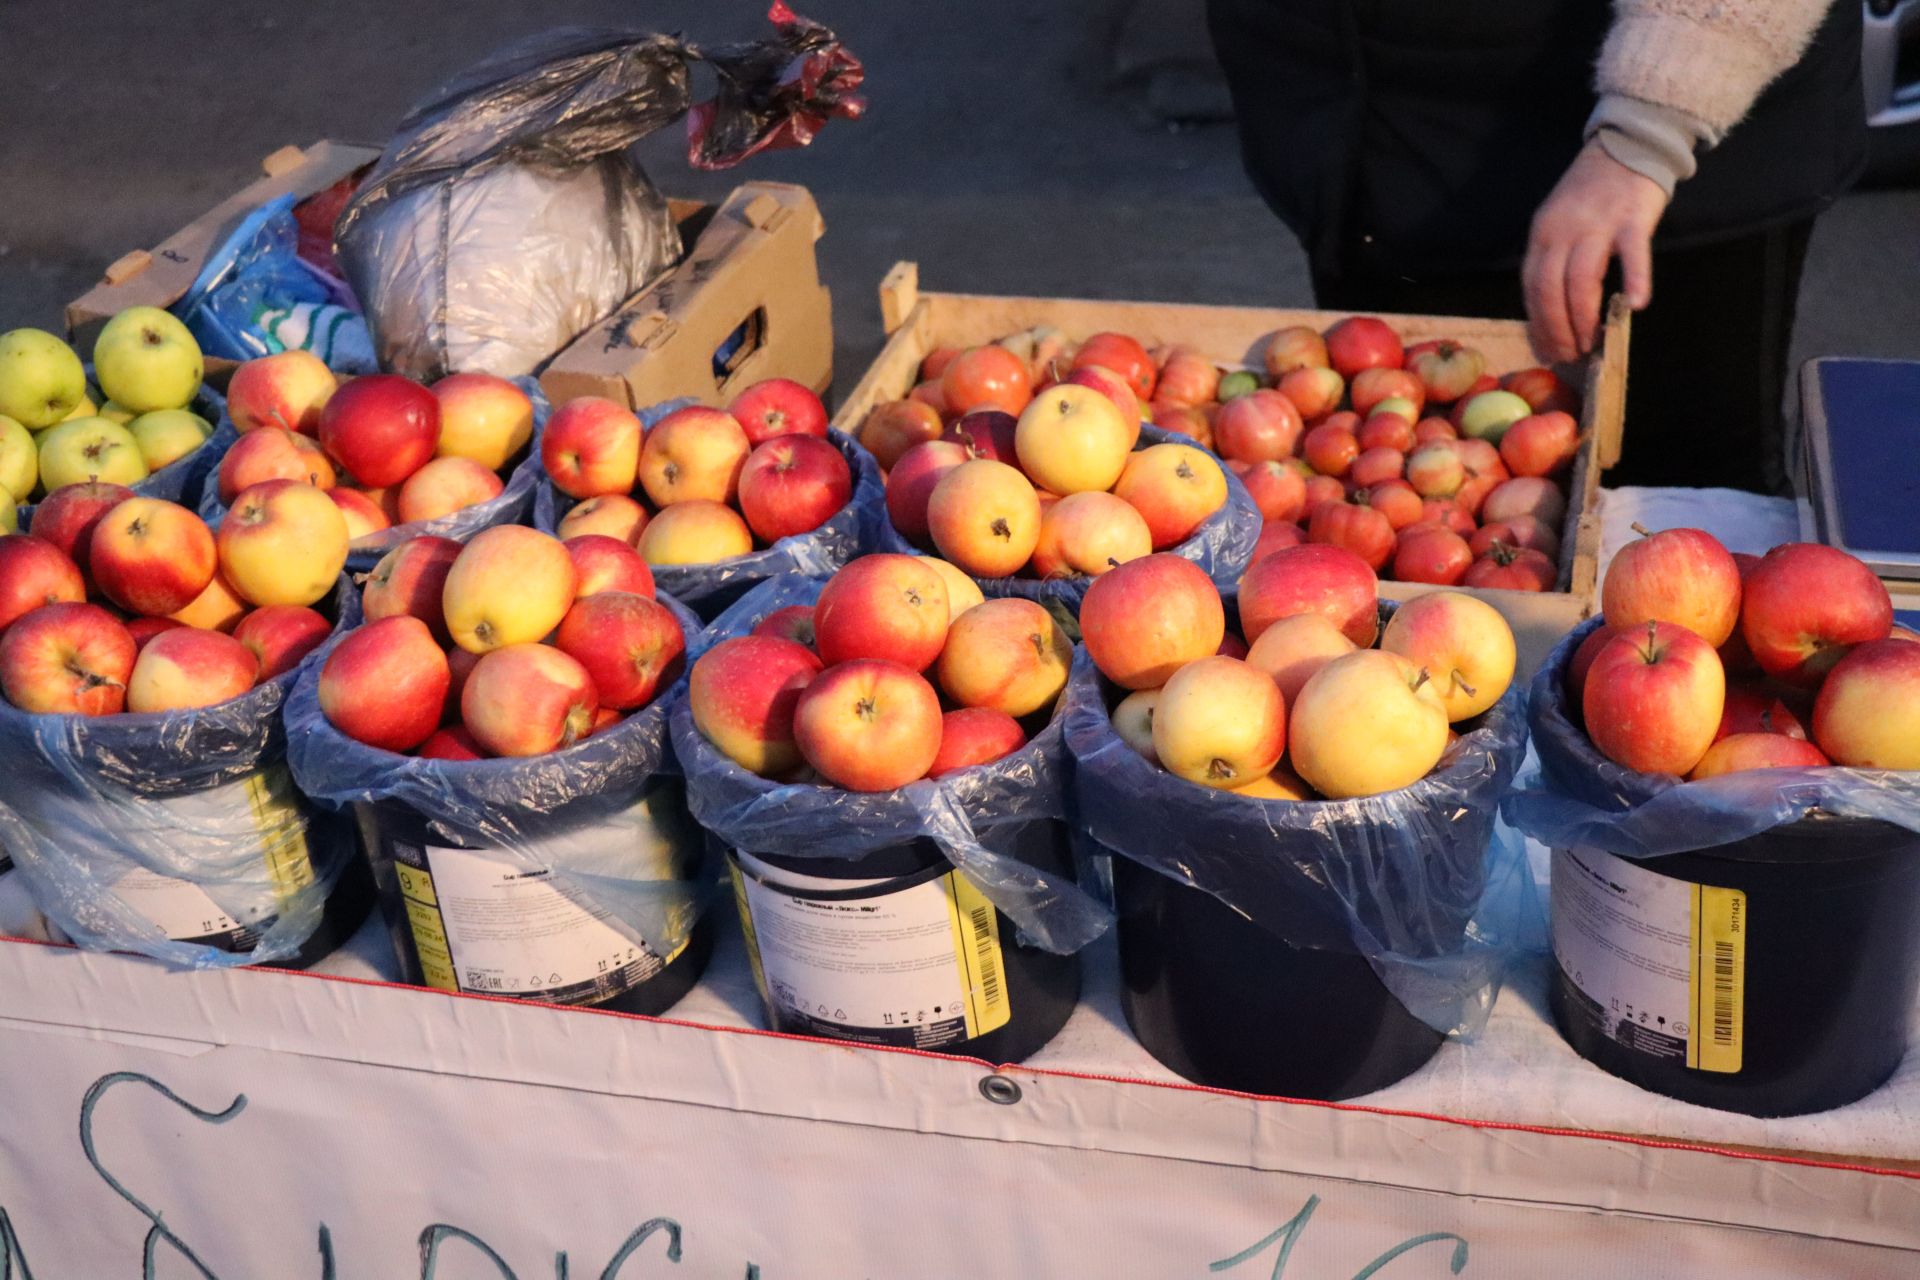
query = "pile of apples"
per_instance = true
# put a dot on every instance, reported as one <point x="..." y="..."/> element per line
<point x="53" y="434"/>
<point x="1300" y="704"/>
<point x="116" y="602"/>
<point x="1713" y="662"/>
<point x="386" y="449"/>
<point x="716" y="482"/>
<point x="1038" y="476"/>
<point x="839" y="692"/>
<point x="515" y="644"/>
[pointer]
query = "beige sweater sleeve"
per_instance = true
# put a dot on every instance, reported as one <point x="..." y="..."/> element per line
<point x="1674" y="75"/>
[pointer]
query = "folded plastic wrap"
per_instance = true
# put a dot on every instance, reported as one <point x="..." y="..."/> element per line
<point x="511" y="506"/>
<point x="1416" y="880"/>
<point x="709" y="588"/>
<point x="180" y="481"/>
<point x="95" y="807"/>
<point x="585" y="816"/>
<point x="507" y="216"/>
<point x="958" y="813"/>
<point x="1578" y="798"/>
<point x="1222" y="545"/>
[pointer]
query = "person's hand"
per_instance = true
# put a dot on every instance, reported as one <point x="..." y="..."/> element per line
<point x="1599" y="208"/>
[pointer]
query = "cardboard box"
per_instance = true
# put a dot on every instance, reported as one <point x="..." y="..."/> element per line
<point x="1230" y="336"/>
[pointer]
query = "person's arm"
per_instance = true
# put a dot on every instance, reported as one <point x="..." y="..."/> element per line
<point x="1673" y="76"/>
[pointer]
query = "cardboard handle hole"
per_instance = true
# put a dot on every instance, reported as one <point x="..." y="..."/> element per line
<point x="734" y="350"/>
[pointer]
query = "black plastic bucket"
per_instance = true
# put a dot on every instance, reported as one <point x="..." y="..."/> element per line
<point x="1775" y="975"/>
<point x="464" y="919"/>
<point x="897" y="948"/>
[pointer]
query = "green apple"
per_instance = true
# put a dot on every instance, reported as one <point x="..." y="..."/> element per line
<point x="19" y="459"/>
<point x="9" y="512"/>
<point x="89" y="449"/>
<point x="1397" y="404"/>
<point x="1488" y="415"/>
<point x="167" y="435"/>
<point x="145" y="360"/>
<point x="41" y="380"/>
<point x="85" y="409"/>
<point x="113" y="413"/>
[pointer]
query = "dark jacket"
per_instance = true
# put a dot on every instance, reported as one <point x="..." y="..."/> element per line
<point x="1418" y="136"/>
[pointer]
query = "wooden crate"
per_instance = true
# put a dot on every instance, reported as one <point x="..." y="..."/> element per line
<point x="917" y="322"/>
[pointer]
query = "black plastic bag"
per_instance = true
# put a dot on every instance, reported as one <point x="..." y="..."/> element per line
<point x="958" y="812"/>
<point x="506" y="217"/>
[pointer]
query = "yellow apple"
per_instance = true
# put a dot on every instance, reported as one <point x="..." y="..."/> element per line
<point x="283" y="542"/>
<point x="1072" y="439"/>
<point x="1366" y="723"/>
<point x="482" y="417"/>
<point x="1282" y="784"/>
<point x="111" y="412"/>
<point x="510" y="585"/>
<point x="168" y="435"/>
<point x="19" y="459"/>
<point x="962" y="592"/>
<point x="87" y="409"/>
<point x="1463" y="641"/>
<point x="1133" y="721"/>
<point x="41" y="379"/>
<point x="89" y="449"/>
<point x="1292" y="649"/>
<point x="1220" y="722"/>
<point x="146" y="359"/>
<point x="218" y="608"/>
<point x="695" y="532"/>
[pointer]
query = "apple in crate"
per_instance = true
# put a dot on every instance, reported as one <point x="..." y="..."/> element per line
<point x="187" y="667"/>
<point x="1431" y="553"/>
<point x="1363" y="342"/>
<point x="145" y="359"/>
<point x="1489" y="415"/>
<point x="1279" y="491"/>
<point x="218" y="607"/>
<point x="1754" y="708"/>
<point x="1145" y="620"/>
<point x="1294" y="347"/>
<point x="1682" y="576"/>
<point x="883" y="606"/>
<point x="1653" y="698"/>
<point x="1461" y="642"/>
<point x="451" y="743"/>
<point x="962" y="591"/>
<point x="1405" y="718"/>
<point x="743" y="693"/>
<point x="1292" y="649"/>
<point x="793" y="484"/>
<point x="527" y="700"/>
<point x="151" y="556"/>
<point x="989" y="377"/>
<point x="868" y="725"/>
<point x="1113" y="387"/>
<point x="67" y="659"/>
<point x="381" y="427"/>
<point x="1313" y="578"/>
<point x="1007" y="654"/>
<point x="613" y="514"/>
<point x="985" y="517"/>
<point x="1542" y="390"/>
<point x="1445" y="368"/>
<point x="1261" y="426"/>
<point x="1397" y="389"/>
<point x="1220" y="722"/>
<point x="1187" y="378"/>
<point x="167" y="435"/>
<point x="144" y="629"/>
<point x="778" y="407"/>
<point x="891" y="429"/>
<point x="693" y="454"/>
<point x="1541" y="444"/>
<point x="280" y="635"/>
<point x="1388" y="431"/>
<point x="1868" y="712"/>
<point x="411" y="580"/>
<point x="364" y="515"/>
<point x="282" y="543"/>
<point x="1742" y="751"/>
<point x="1805" y="605"/>
<point x="89" y="449"/>
<point x="602" y="564"/>
<point x="1085" y="534"/>
<point x="1176" y="488"/>
<point x="41" y="379"/>
<point x="510" y="585"/>
<point x="1133" y="721"/>
<point x="988" y="433"/>
<point x="1506" y="568"/>
<point x="794" y="622"/>
<point x="1313" y="392"/>
<point x="698" y="532"/>
<point x="911" y="482"/>
<point x="35" y="573"/>
<point x="630" y="645"/>
<point x="1330" y="449"/>
<point x="1360" y="529"/>
<point x="287" y="389"/>
<point x="385" y="684"/>
<point x="591" y="447"/>
<point x="1072" y="439"/>
<point x="273" y="453"/>
<point x="483" y="418"/>
<point x="974" y="736"/>
<point x="446" y="485"/>
<point x="1124" y="356"/>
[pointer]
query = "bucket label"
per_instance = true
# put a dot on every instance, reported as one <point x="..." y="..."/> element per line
<point x="184" y="911"/>
<point x="1657" y="964"/>
<point x="485" y="925"/>
<point x="918" y="967"/>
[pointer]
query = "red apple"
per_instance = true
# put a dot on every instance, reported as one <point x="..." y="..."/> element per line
<point x="453" y="743"/>
<point x="743" y="692"/>
<point x="1276" y="535"/>
<point x="1752" y="708"/>
<point x="1115" y="388"/>
<point x="385" y="684"/>
<point x="1435" y="470"/>
<point x="1008" y="654"/>
<point x="151" y="556"/>
<point x="1582" y="661"/>
<point x="934" y="397"/>
<point x="794" y="622"/>
<point x="1086" y="534"/>
<point x="35" y="573"/>
<point x="1187" y="378"/>
<point x="1372" y="386"/>
<point x="602" y="564"/>
<point x="411" y="580"/>
<point x="1314" y="578"/>
<point x="1123" y="355"/>
<point x="894" y="427"/>
<point x="68" y="516"/>
<point x="381" y="427"/>
<point x="1431" y="553"/>
<point x="1394" y="499"/>
<point x="67" y="659"/>
<point x="613" y="514"/>
<point x="446" y="485"/>
<point x="911" y="483"/>
<point x="986" y="434"/>
<point x="779" y="407"/>
<point x="1261" y="426"/>
<point x="1448" y="512"/>
<point x="1683" y="576"/>
<point x="1362" y="342"/>
<point x="527" y="700"/>
<point x="1194" y="422"/>
<point x="280" y="635"/>
<point x="630" y="645"/>
<point x="272" y="453"/>
<point x="1743" y="751"/>
<point x="974" y="736"/>
<point x="1386" y="431"/>
<point x="985" y="517"/>
<point x="989" y="377"/>
<point x="1176" y="488"/>
<point x="286" y="389"/>
<point x="1653" y="699"/>
<point x="1526" y="496"/>
<point x="1512" y="569"/>
<point x="1521" y="531"/>
<point x="1279" y="492"/>
<point x="869" y="725"/>
<point x="1868" y="713"/>
<point x="935" y="362"/>
<point x="1322" y="490"/>
<point x="1372" y="466"/>
<point x="364" y="516"/>
<point x="1315" y="392"/>
<point x="1542" y="444"/>
<point x="591" y="447"/>
<point x="1542" y="390"/>
<point x="144" y="629"/>
<point x="890" y="606"/>
<point x="1805" y="605"/>
<point x="1360" y="529"/>
<point x="1330" y="450"/>
<point x="187" y="667"/>
<point x="1445" y="369"/>
<point x="1295" y="347"/>
<point x="1146" y="619"/>
<point x="793" y="484"/>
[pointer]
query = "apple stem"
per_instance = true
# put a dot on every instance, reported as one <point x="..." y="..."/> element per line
<point x="1641" y="529"/>
<point x="1458" y="683"/>
<point x="1112" y="563"/>
<point x="1421" y="679"/>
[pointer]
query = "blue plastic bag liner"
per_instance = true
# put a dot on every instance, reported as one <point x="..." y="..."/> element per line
<point x="180" y="481"/>
<point x="585" y="817"/>
<point x="512" y="506"/>
<point x="1580" y="799"/>
<point x="1222" y="545"/>
<point x="142" y="832"/>
<point x="710" y="588"/>
<point x="1416" y="880"/>
<point x="958" y="813"/>
<point x="256" y="296"/>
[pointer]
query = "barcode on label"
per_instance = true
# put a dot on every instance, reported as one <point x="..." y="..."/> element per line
<point x="1716" y="986"/>
<point x="989" y="954"/>
<point x="1723" y="973"/>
